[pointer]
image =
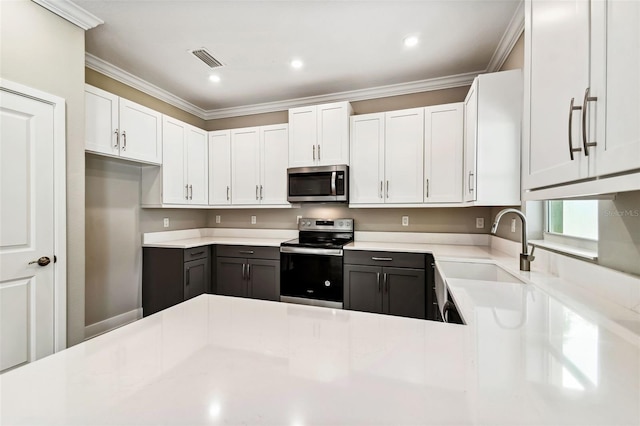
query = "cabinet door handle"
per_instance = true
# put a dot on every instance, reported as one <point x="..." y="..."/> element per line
<point x="318" y="152"/>
<point x="261" y="192"/>
<point x="314" y="153"/>
<point x="387" y="196"/>
<point x="380" y="192"/>
<point x="243" y="271"/>
<point x="378" y="281"/>
<point x="571" y="109"/>
<point x="117" y="139"/>
<point x="471" y="175"/>
<point x="256" y="192"/>
<point x="227" y="193"/>
<point x="384" y="259"/>
<point x="586" y="144"/>
<point x="191" y="192"/>
<point x="186" y="190"/>
<point x="427" y="183"/>
<point x="248" y="271"/>
<point x="245" y="251"/>
<point x="386" y="282"/>
<point x="124" y="140"/>
<point x="188" y="276"/>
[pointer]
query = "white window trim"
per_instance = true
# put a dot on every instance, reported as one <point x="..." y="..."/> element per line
<point x="586" y="248"/>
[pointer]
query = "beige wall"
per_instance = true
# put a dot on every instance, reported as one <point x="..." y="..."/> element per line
<point x="43" y="51"/>
<point x="515" y="60"/>
<point x="114" y="226"/>
<point x="103" y="82"/>
<point x="619" y="232"/>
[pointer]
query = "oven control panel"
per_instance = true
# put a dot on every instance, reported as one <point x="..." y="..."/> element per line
<point x="314" y="224"/>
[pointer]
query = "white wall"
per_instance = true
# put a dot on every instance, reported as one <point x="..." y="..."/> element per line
<point x="43" y="51"/>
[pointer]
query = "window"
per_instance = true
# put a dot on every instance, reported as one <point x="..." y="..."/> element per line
<point x="573" y="218"/>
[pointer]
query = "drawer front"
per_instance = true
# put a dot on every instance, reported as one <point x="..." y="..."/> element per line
<point x="248" y="252"/>
<point x="385" y="258"/>
<point x="196" y="253"/>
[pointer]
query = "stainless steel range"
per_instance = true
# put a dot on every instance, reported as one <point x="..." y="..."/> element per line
<point x="311" y="265"/>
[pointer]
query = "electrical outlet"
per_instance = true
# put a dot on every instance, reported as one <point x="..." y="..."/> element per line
<point x="479" y="222"/>
<point x="253" y="220"/>
<point x="218" y="218"/>
<point x="298" y="219"/>
<point x="165" y="222"/>
<point x="513" y="225"/>
<point x="405" y="220"/>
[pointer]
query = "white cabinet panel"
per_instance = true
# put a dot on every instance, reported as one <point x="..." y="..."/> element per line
<point x="443" y="159"/>
<point x="615" y="75"/>
<point x="220" y="167"/>
<point x="319" y="135"/>
<point x="470" y="142"/>
<point x="101" y="121"/>
<point x="273" y="164"/>
<point x="174" y="186"/>
<point x="366" y="173"/>
<point x="197" y="166"/>
<point x="404" y="147"/>
<point x="117" y="127"/>
<point x="245" y="168"/>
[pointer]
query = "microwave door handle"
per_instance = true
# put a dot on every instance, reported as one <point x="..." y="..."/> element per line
<point x="333" y="183"/>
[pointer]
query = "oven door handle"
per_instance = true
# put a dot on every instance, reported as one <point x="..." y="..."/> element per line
<point x="333" y="183"/>
<point x="309" y="250"/>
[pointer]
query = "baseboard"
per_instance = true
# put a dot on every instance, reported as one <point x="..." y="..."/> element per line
<point x="109" y="324"/>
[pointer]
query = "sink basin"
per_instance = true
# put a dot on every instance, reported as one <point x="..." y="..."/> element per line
<point x="476" y="271"/>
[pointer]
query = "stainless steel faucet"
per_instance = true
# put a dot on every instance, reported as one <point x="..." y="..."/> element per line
<point x="525" y="257"/>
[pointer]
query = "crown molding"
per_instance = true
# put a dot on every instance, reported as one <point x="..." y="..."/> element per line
<point x="71" y="12"/>
<point x="351" y="95"/>
<point x="129" y="79"/>
<point x="508" y="40"/>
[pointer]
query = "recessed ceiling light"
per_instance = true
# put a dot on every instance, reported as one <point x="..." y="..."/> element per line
<point x="214" y="78"/>
<point x="410" y="41"/>
<point x="296" y="63"/>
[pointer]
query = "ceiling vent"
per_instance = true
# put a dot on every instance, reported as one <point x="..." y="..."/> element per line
<point x="206" y="57"/>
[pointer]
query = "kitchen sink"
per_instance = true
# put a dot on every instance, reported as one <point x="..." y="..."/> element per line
<point x="477" y="271"/>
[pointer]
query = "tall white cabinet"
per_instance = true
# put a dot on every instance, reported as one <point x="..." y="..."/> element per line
<point x="319" y="135"/>
<point x="117" y="127"/>
<point x="582" y="77"/>
<point x="220" y="168"/>
<point x="259" y="165"/>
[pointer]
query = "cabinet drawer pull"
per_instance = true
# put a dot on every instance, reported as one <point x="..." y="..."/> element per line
<point x="246" y="252"/>
<point x="117" y="139"/>
<point x="318" y="152"/>
<point x="261" y="192"/>
<point x="385" y="282"/>
<point x="387" y="189"/>
<point x="197" y="254"/>
<point x="471" y="174"/>
<point x="378" y="281"/>
<point x="248" y="271"/>
<point x="571" y="109"/>
<point x="380" y="193"/>
<point x="314" y="153"/>
<point x="586" y="144"/>
<point x="256" y="192"/>
<point x="385" y="259"/>
<point x="124" y="140"/>
<point x="427" y="183"/>
<point x="186" y="190"/>
<point x="188" y="276"/>
<point x="227" y="193"/>
<point x="243" y="271"/>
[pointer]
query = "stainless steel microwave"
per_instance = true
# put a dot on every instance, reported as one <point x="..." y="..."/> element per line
<point x="318" y="184"/>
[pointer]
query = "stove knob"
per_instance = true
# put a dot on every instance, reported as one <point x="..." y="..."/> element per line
<point x="340" y="224"/>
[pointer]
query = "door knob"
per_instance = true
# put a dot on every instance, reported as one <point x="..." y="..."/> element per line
<point x="43" y="261"/>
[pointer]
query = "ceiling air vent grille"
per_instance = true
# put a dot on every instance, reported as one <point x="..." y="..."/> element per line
<point x="206" y="57"/>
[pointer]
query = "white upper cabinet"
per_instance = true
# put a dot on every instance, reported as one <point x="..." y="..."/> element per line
<point x="319" y="135"/>
<point x="403" y="154"/>
<point x="582" y="79"/>
<point x="615" y="82"/>
<point x="220" y="167"/>
<point x="443" y="144"/>
<point x="493" y="111"/>
<point x="185" y="168"/>
<point x="117" y="127"/>
<point x="366" y="173"/>
<point x="259" y="165"/>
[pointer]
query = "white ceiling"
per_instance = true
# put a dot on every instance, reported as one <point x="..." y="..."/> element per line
<point x="345" y="44"/>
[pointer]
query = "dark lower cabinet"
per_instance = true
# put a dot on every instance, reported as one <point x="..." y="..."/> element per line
<point x="371" y="287"/>
<point x="239" y="273"/>
<point x="172" y="275"/>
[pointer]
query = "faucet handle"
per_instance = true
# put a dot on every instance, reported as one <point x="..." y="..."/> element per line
<point x="530" y="256"/>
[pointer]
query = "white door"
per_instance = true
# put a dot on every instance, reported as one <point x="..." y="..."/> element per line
<point x="303" y="136"/>
<point x="101" y="121"/>
<point x="220" y="167"/>
<point x="558" y="75"/>
<point x="404" y="162"/>
<point x="615" y="76"/>
<point x="333" y="134"/>
<point x="140" y="132"/>
<point x="26" y="230"/>
<point x="470" y="142"/>
<point x="366" y="172"/>
<point x="273" y="161"/>
<point x="174" y="187"/>
<point x="197" y="166"/>
<point x="443" y="160"/>
<point x="245" y="168"/>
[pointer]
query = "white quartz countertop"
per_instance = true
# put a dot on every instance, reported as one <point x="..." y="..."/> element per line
<point x="186" y="243"/>
<point x="525" y="359"/>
